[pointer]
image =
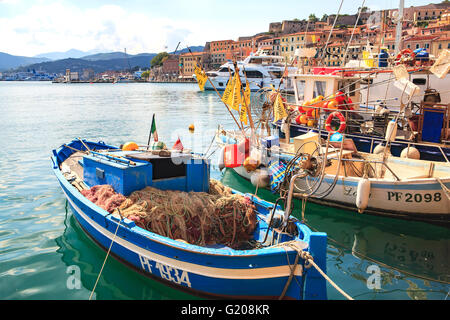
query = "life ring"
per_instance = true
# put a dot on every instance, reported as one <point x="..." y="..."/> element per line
<point x="342" y="125"/>
<point x="405" y="53"/>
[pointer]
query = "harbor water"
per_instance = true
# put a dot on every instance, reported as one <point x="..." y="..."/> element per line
<point x="44" y="254"/>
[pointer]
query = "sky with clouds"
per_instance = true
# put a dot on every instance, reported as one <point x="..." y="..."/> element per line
<point x="31" y="27"/>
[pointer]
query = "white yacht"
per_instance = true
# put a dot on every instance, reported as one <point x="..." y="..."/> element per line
<point x="260" y="69"/>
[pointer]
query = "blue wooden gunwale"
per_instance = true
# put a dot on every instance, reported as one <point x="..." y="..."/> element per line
<point x="260" y="273"/>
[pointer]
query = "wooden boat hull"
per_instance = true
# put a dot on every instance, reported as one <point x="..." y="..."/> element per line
<point x="421" y="199"/>
<point x="207" y="271"/>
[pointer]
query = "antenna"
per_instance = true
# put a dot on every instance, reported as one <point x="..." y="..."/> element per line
<point x="175" y="52"/>
<point x="126" y="57"/>
<point x="398" y="31"/>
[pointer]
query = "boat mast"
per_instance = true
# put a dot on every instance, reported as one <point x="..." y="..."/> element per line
<point x="398" y="31"/>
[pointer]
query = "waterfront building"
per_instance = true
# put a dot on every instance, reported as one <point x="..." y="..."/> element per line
<point x="71" y="76"/>
<point x="276" y="49"/>
<point x="266" y="45"/>
<point x="440" y="44"/>
<point x="243" y="48"/>
<point x="416" y="42"/>
<point x="188" y="62"/>
<point x="289" y="43"/>
<point x="88" y="74"/>
<point x="221" y="51"/>
<point x="170" y="66"/>
<point x="425" y="13"/>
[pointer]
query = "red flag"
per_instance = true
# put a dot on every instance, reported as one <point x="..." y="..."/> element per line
<point x="178" y="145"/>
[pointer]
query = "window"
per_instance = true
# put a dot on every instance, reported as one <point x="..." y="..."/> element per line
<point x="276" y="74"/>
<point x="420" y="81"/>
<point x="253" y="74"/>
<point x="301" y="89"/>
<point x="319" y="88"/>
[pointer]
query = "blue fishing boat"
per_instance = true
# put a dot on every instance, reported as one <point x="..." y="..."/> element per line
<point x="278" y="265"/>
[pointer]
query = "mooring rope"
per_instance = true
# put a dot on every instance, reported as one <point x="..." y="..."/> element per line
<point x="379" y="262"/>
<point x="106" y="258"/>
<point x="309" y="261"/>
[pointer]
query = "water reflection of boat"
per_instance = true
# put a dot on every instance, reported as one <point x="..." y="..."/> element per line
<point x="424" y="257"/>
<point x="117" y="282"/>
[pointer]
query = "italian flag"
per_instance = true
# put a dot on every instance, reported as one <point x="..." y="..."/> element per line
<point x="153" y="131"/>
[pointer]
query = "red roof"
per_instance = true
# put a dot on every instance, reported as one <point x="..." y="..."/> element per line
<point x="421" y="38"/>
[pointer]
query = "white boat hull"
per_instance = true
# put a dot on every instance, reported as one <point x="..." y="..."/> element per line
<point x="220" y="83"/>
<point x="422" y="198"/>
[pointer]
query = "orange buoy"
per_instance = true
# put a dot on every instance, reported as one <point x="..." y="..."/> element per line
<point x="130" y="146"/>
<point x="333" y="104"/>
<point x="304" y="119"/>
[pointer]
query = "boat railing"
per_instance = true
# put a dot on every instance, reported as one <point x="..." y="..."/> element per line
<point x="374" y="141"/>
<point x="368" y="161"/>
<point x="357" y="123"/>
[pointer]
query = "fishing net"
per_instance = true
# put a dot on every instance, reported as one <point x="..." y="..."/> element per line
<point x="217" y="217"/>
<point x="104" y="196"/>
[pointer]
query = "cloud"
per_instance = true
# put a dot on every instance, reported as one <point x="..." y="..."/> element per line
<point x="60" y="26"/>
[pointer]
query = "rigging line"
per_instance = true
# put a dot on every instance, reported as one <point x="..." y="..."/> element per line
<point x="331" y="31"/>
<point x="353" y="31"/>
<point x="107" y="255"/>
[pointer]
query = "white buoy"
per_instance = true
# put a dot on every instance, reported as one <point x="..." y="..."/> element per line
<point x="410" y="153"/>
<point x="391" y="131"/>
<point x="220" y="160"/>
<point x="378" y="149"/>
<point x="362" y="194"/>
<point x="260" y="178"/>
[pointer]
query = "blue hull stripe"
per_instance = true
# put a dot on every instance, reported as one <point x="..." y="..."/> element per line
<point x="393" y="186"/>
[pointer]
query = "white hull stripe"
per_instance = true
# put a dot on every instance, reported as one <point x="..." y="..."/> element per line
<point x="201" y="270"/>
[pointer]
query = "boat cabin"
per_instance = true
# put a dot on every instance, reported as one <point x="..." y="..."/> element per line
<point x="309" y="86"/>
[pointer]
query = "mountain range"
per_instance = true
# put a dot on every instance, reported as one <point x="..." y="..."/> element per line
<point x="72" y="53"/>
<point x="8" y="61"/>
<point x="76" y="60"/>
